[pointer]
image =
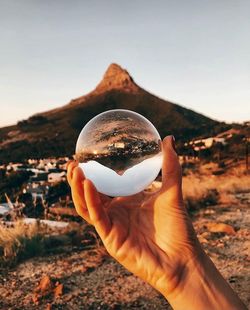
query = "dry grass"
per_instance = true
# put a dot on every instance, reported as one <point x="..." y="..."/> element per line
<point x="203" y="186"/>
<point x="21" y="241"/>
<point x="200" y="188"/>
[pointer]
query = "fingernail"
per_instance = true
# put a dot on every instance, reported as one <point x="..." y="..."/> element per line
<point x="173" y="143"/>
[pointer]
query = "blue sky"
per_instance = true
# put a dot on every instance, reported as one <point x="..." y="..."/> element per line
<point x="194" y="53"/>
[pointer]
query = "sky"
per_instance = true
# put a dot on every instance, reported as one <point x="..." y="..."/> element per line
<point x="195" y="53"/>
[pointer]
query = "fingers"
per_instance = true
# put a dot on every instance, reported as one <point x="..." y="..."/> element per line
<point x="97" y="213"/>
<point x="171" y="170"/>
<point x="78" y="193"/>
<point x="75" y="177"/>
<point x="71" y="165"/>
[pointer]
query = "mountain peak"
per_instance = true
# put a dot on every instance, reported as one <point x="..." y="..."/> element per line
<point x="116" y="77"/>
<point x="115" y="69"/>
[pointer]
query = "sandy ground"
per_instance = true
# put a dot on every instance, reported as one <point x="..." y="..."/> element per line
<point x="89" y="279"/>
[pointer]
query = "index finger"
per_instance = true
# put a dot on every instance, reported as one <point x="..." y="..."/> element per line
<point x="71" y="165"/>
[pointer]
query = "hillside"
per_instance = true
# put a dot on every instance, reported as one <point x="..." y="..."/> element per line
<point x="54" y="133"/>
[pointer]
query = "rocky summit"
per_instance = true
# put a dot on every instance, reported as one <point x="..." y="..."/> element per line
<point x="117" y="78"/>
<point x="54" y="133"/>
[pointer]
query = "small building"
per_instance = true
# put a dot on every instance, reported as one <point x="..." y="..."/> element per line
<point x="55" y="177"/>
<point x="37" y="190"/>
<point x="41" y="176"/>
<point x="4" y="208"/>
<point x="13" y="166"/>
<point x="119" y="145"/>
<point x="203" y="144"/>
<point x="116" y="145"/>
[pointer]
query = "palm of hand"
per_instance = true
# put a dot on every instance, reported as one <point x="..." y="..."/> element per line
<point x="150" y="234"/>
<point x="149" y="237"/>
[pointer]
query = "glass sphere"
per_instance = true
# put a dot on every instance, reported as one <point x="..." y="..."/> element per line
<point x="120" y="152"/>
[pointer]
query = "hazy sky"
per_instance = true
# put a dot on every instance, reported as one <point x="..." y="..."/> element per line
<point x="195" y="53"/>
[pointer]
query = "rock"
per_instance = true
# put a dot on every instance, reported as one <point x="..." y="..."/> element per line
<point x="68" y="297"/>
<point x="83" y="268"/>
<point x="58" y="291"/>
<point x="116" y="78"/>
<point x="209" y="212"/>
<point x="48" y="307"/>
<point x="220" y="245"/>
<point x="206" y="234"/>
<point x="35" y="298"/>
<point x="220" y="228"/>
<point x="43" y="290"/>
<point x="45" y="285"/>
<point x="202" y="239"/>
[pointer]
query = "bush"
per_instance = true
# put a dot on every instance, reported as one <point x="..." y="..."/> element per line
<point x="37" y="119"/>
<point x="20" y="242"/>
<point x="23" y="241"/>
<point x="210" y="198"/>
<point x="13" y="182"/>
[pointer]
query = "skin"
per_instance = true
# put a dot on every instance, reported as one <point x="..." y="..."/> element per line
<point x="152" y="236"/>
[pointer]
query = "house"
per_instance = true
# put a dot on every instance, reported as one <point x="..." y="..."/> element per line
<point x="13" y="166"/>
<point x="37" y="190"/>
<point x="119" y="145"/>
<point x="55" y="177"/>
<point x="40" y="176"/>
<point x="4" y="208"/>
<point x="229" y="133"/>
<point x="115" y="146"/>
<point x="203" y="144"/>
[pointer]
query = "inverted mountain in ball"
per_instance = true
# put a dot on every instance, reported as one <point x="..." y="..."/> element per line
<point x="118" y="139"/>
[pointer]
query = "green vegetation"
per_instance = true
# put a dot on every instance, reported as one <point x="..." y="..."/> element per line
<point x="12" y="183"/>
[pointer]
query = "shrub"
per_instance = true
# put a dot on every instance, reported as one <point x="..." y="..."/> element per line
<point x="20" y="242"/>
<point x="209" y="198"/>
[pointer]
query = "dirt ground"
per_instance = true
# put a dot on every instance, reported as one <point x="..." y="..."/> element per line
<point x="89" y="279"/>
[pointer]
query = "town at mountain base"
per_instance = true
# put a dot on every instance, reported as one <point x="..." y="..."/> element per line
<point x="54" y="133"/>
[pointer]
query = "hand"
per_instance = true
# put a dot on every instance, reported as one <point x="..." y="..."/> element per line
<point x="149" y="233"/>
<point x="152" y="236"/>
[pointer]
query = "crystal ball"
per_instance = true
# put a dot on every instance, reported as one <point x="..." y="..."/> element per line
<point x="120" y="152"/>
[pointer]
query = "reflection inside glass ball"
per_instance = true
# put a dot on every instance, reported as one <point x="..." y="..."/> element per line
<point x="120" y="152"/>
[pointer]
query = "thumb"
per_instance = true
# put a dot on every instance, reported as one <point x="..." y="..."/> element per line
<point x="171" y="171"/>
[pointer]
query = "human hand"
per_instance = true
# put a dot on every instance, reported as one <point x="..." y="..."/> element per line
<point x="148" y="233"/>
<point x="152" y="236"/>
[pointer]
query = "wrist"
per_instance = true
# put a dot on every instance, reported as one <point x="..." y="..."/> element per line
<point x="201" y="286"/>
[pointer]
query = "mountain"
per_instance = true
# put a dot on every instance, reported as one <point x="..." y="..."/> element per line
<point x="54" y="133"/>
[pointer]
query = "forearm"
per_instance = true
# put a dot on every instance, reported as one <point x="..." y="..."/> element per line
<point x="203" y="287"/>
